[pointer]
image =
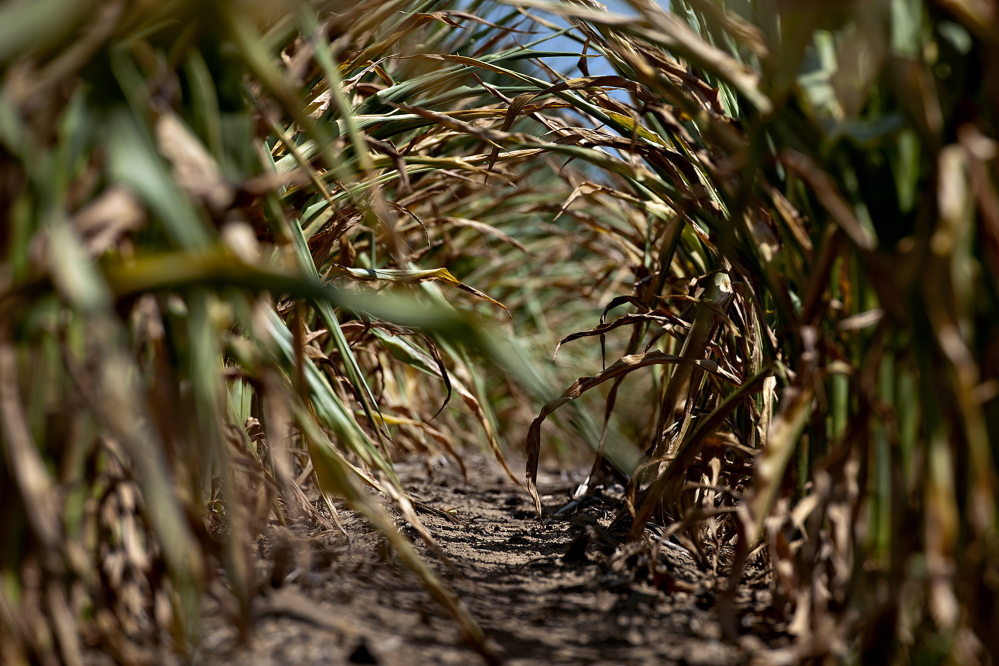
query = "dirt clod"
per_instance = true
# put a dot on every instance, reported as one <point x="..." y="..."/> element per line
<point x="562" y="592"/>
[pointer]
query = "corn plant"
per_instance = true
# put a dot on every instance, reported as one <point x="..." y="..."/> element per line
<point x="254" y="248"/>
<point x="820" y="183"/>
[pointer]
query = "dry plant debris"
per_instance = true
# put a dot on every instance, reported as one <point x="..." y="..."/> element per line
<point x="254" y="252"/>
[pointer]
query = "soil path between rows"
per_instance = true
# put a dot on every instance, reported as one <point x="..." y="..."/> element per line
<point x="544" y="593"/>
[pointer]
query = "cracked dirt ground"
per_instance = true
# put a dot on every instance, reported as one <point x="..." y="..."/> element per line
<point x="558" y="592"/>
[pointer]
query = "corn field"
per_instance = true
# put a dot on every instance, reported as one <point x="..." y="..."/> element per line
<point x="254" y="251"/>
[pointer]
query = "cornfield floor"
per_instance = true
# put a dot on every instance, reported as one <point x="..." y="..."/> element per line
<point x="545" y="593"/>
